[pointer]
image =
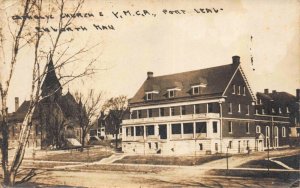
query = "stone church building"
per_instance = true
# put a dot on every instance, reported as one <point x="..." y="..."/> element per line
<point x="55" y="120"/>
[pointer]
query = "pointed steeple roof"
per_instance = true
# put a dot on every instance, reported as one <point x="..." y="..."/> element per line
<point x="51" y="83"/>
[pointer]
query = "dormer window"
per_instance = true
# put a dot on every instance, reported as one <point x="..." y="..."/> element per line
<point x="172" y="92"/>
<point x="149" y="95"/>
<point x="196" y="88"/>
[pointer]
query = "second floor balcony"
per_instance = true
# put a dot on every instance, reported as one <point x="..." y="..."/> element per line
<point x="171" y="118"/>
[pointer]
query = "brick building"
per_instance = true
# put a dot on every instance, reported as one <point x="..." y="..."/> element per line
<point x="211" y="110"/>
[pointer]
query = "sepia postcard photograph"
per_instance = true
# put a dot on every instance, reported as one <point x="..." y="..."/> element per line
<point x="152" y="93"/>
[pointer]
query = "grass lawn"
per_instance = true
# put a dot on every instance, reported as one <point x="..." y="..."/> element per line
<point x="38" y="165"/>
<point x="125" y="168"/>
<point x="77" y="156"/>
<point x="169" y="160"/>
<point x="261" y="164"/>
<point x="286" y="175"/>
<point x="291" y="161"/>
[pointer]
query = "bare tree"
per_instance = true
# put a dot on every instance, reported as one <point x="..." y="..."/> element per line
<point x="115" y="108"/>
<point x="89" y="110"/>
<point x="23" y="36"/>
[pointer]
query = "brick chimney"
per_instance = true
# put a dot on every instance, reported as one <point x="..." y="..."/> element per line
<point x="266" y="91"/>
<point x="235" y="60"/>
<point x="298" y="94"/>
<point x="149" y="75"/>
<point x="16" y="103"/>
<point x="274" y="91"/>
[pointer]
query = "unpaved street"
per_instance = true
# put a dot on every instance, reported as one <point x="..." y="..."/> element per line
<point x="182" y="177"/>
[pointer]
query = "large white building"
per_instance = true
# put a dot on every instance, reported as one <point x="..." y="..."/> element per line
<point x="197" y="112"/>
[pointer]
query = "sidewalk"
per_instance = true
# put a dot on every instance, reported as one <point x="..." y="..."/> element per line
<point x="108" y="160"/>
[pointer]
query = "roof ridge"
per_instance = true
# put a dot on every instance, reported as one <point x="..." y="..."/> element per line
<point x="191" y="71"/>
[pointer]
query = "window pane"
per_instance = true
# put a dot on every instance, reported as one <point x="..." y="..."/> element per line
<point x="139" y="114"/>
<point x="230" y="108"/>
<point x="247" y="127"/>
<point x="172" y="111"/>
<point x="176" y="128"/>
<point x="183" y="110"/>
<point x="149" y="96"/>
<point x="162" y="111"/>
<point x="196" y="90"/>
<point x="188" y="128"/>
<point x="150" y="129"/>
<point x="230" y="126"/>
<point x="132" y="131"/>
<point x="197" y="108"/>
<point x="215" y="127"/>
<point x="200" y="127"/>
<point x="210" y="107"/>
<point x="149" y="112"/>
<point x="139" y="131"/>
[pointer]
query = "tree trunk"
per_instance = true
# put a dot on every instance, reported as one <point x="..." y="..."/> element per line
<point x="8" y="180"/>
<point x="82" y="141"/>
<point x="4" y="150"/>
<point x="116" y="140"/>
<point x="4" y="145"/>
<point x="20" y="150"/>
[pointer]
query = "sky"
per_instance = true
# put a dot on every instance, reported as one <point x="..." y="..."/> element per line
<point x="165" y="43"/>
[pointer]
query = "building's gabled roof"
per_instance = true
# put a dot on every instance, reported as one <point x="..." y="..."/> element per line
<point x="215" y="80"/>
<point x="69" y="106"/>
<point x="21" y="112"/>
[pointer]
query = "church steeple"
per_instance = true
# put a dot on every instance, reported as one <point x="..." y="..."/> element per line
<point x="51" y="85"/>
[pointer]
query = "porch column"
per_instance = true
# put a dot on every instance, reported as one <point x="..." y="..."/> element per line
<point x="145" y="132"/>
<point x="208" y="129"/>
<point x="124" y="135"/>
<point x="194" y="130"/>
<point x="134" y="132"/>
<point x="169" y="131"/>
<point x="181" y="127"/>
<point x="156" y="130"/>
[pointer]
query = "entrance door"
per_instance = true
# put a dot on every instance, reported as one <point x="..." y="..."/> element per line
<point x="163" y="131"/>
<point x="260" y="145"/>
<point x="216" y="147"/>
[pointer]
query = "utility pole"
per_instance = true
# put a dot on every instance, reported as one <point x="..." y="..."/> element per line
<point x="227" y="165"/>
